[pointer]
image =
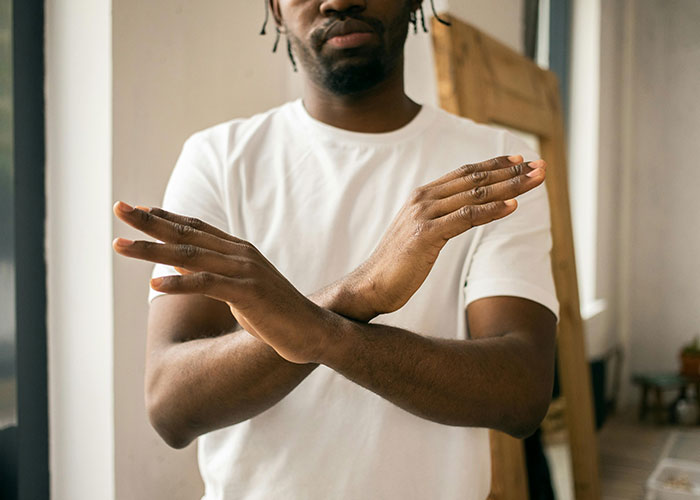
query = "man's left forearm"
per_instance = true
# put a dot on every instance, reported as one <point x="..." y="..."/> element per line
<point x="488" y="382"/>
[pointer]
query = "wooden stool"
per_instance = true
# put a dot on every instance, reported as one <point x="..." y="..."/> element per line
<point x="658" y="383"/>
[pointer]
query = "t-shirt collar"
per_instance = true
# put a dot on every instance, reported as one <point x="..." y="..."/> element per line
<point x="324" y="131"/>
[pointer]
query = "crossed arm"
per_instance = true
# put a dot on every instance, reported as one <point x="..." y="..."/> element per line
<point x="203" y="374"/>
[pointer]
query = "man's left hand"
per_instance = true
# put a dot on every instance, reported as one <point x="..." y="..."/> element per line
<point x="226" y="268"/>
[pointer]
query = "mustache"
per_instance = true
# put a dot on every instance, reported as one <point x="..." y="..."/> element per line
<point x="317" y="36"/>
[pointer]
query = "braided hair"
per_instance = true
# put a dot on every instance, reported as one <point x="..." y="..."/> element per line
<point x="413" y="19"/>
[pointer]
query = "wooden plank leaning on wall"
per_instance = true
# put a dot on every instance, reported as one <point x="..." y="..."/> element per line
<point x="482" y="79"/>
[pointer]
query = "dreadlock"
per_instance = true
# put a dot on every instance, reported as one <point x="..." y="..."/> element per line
<point x="432" y="6"/>
<point x="291" y="55"/>
<point x="413" y="19"/>
<point x="267" y="16"/>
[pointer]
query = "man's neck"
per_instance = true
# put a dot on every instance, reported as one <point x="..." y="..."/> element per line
<point x="383" y="108"/>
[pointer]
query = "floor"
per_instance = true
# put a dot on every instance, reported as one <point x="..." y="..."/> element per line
<point x="629" y="451"/>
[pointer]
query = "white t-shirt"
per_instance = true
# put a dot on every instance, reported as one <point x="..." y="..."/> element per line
<point x="316" y="200"/>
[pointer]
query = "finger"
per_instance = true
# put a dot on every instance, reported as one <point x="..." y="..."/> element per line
<point x="480" y="195"/>
<point x="185" y="231"/>
<point x="202" y="235"/>
<point x="215" y="286"/>
<point x="465" y="170"/>
<point x="192" y="222"/>
<point x="459" y="221"/>
<point x="485" y="178"/>
<point x="186" y="257"/>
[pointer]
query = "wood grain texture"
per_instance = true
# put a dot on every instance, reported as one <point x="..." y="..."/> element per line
<point x="482" y="79"/>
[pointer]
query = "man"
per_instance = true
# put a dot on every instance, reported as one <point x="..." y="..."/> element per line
<point x="382" y="380"/>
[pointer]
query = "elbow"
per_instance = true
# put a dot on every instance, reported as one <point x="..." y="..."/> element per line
<point x="165" y="422"/>
<point x="175" y="440"/>
<point x="528" y="416"/>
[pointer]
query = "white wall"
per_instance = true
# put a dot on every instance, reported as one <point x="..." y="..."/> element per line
<point x="663" y="307"/>
<point x="127" y="82"/>
<point x="583" y="127"/>
<point x="78" y="250"/>
<point x="594" y="158"/>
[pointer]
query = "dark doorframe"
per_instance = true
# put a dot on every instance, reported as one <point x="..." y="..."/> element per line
<point x="32" y="438"/>
<point x="560" y="48"/>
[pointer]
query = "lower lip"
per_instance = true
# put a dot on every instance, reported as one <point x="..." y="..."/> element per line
<point x="350" y="40"/>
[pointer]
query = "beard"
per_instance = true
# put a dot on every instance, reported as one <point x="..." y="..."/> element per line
<point x="348" y="79"/>
<point x="356" y="70"/>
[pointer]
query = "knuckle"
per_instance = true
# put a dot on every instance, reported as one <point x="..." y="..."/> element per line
<point x="516" y="169"/>
<point x="515" y="181"/>
<point x="248" y="266"/>
<point x="418" y="195"/>
<point x="188" y="251"/>
<point x="194" y="223"/>
<point x="490" y="164"/>
<point x="421" y="229"/>
<point x="205" y="279"/>
<point x="184" y="231"/>
<point x="250" y="251"/>
<point x="419" y="209"/>
<point x="480" y="192"/>
<point x="466" y="169"/>
<point x="479" y="177"/>
<point x="466" y="212"/>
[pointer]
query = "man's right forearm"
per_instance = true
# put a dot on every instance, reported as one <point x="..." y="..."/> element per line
<point x="205" y="384"/>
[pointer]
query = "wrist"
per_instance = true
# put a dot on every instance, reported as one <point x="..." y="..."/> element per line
<point x="350" y="297"/>
<point x="334" y="334"/>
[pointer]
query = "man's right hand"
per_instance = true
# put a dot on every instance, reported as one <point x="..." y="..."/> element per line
<point x="469" y="196"/>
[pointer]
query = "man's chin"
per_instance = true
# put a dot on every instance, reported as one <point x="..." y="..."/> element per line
<point x="348" y="79"/>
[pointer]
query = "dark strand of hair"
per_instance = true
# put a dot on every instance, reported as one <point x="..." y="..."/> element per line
<point x="267" y="16"/>
<point x="277" y="39"/>
<point x="291" y="56"/>
<point x="412" y="19"/>
<point x="422" y="19"/>
<point x="446" y="23"/>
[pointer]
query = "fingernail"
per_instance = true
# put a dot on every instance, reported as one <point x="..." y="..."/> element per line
<point x="510" y="203"/>
<point x="537" y="164"/>
<point x="124" y="207"/>
<point x="123" y="242"/>
<point x="156" y="281"/>
<point x="515" y="159"/>
<point x="538" y="172"/>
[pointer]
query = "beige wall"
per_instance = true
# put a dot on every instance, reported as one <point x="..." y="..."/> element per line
<point x="502" y="19"/>
<point x="178" y="67"/>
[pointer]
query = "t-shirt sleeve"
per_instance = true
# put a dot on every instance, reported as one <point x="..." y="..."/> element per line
<point x="512" y="255"/>
<point x="194" y="190"/>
